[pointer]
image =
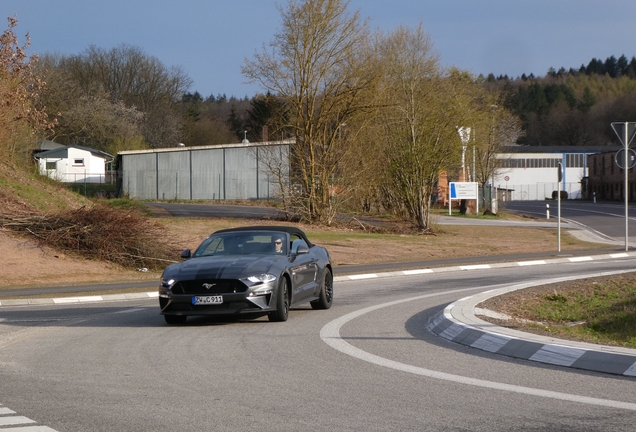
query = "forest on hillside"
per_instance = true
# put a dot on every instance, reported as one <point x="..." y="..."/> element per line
<point x="572" y="107"/>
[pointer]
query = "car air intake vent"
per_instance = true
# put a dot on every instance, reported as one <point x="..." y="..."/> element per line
<point x="215" y="286"/>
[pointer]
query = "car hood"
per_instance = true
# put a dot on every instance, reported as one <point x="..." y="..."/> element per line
<point x="221" y="267"/>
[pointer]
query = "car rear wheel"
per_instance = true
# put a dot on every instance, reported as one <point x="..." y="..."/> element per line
<point x="326" y="292"/>
<point x="175" y="319"/>
<point x="282" y="303"/>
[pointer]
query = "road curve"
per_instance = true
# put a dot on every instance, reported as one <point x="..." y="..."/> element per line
<point x="72" y="367"/>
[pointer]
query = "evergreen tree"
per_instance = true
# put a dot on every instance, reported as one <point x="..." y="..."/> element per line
<point x="611" y="66"/>
<point x="588" y="100"/>
<point x="236" y="123"/>
<point x="192" y="105"/>
<point x="271" y="112"/>
<point x="622" y="65"/>
<point x="595" y="67"/>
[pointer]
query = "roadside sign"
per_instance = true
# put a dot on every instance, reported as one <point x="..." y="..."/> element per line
<point x="464" y="190"/>
<point x="622" y="161"/>
<point x="619" y="129"/>
<point x="560" y="172"/>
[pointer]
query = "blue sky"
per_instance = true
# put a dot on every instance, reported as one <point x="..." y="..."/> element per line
<point x="210" y="39"/>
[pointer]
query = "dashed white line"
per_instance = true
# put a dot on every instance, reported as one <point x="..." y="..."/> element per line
<point x="580" y="259"/>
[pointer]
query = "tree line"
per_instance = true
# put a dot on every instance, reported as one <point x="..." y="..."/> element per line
<point x="374" y="115"/>
<point x="572" y="107"/>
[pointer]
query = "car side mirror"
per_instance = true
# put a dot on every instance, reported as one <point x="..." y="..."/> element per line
<point x="186" y="254"/>
<point x="301" y="249"/>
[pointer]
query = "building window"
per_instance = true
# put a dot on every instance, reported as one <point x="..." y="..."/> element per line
<point x="78" y="161"/>
<point x="50" y="165"/>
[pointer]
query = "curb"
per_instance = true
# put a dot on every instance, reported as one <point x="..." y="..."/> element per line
<point x="81" y="299"/>
<point x="458" y="323"/>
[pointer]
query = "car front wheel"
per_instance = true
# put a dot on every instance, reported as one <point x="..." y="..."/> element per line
<point x="326" y="292"/>
<point x="282" y="303"/>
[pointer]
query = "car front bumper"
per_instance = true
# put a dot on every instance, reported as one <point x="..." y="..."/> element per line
<point x="232" y="304"/>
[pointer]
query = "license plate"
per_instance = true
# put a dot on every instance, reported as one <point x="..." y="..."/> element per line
<point x="207" y="300"/>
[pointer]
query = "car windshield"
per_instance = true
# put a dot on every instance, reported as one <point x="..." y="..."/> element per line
<point x="243" y="243"/>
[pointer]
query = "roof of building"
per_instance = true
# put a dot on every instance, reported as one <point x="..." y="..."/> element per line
<point x="180" y="148"/>
<point x="62" y="152"/>
<point x="46" y="145"/>
<point x="559" y="149"/>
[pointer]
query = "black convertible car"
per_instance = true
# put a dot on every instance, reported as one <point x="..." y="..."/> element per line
<point x="260" y="270"/>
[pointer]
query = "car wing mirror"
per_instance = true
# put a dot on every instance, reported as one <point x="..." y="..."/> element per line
<point x="301" y="249"/>
<point x="186" y="253"/>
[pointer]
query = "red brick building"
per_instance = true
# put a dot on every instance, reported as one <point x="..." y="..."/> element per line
<point x="607" y="180"/>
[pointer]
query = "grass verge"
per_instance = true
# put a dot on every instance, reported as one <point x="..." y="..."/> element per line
<point x="597" y="310"/>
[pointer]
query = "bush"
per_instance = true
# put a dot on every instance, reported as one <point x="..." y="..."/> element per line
<point x="564" y="195"/>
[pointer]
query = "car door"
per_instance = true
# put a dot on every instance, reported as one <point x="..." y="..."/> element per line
<point x="304" y="269"/>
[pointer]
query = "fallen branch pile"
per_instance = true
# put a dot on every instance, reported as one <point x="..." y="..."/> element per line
<point x="99" y="233"/>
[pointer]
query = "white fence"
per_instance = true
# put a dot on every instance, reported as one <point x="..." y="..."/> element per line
<point x="85" y="177"/>
<point x="539" y="191"/>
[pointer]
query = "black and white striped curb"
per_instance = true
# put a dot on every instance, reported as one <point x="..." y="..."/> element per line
<point x="458" y="323"/>
<point x="154" y="294"/>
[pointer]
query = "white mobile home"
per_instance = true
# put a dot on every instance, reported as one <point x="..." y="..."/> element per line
<point x="74" y="164"/>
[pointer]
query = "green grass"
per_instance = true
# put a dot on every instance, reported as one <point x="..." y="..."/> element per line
<point x="602" y="311"/>
<point x="44" y="199"/>
<point x="92" y="190"/>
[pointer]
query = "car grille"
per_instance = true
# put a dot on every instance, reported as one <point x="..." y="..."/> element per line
<point x="215" y="286"/>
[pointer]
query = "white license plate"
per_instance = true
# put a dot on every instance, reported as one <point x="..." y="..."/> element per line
<point x="207" y="300"/>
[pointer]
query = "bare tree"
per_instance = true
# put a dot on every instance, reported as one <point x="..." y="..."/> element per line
<point x="123" y="75"/>
<point x="418" y="128"/>
<point x="101" y="124"/>
<point x="20" y="88"/>
<point x="494" y="127"/>
<point x="318" y="65"/>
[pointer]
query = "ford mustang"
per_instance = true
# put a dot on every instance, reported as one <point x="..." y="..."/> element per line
<point x="247" y="271"/>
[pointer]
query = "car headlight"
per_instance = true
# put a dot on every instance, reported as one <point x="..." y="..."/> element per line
<point x="262" y="278"/>
<point x="167" y="282"/>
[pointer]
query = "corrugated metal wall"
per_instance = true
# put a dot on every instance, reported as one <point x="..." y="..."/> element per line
<point x="235" y="171"/>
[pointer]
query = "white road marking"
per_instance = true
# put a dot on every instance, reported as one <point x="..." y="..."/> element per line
<point x="330" y="334"/>
<point x="530" y="263"/>
<point x="14" y="420"/>
<point x="364" y="276"/>
<point x="416" y="272"/>
<point x="580" y="259"/>
<point x="130" y="310"/>
<point x="17" y="421"/>
<point x="475" y="267"/>
<point x="28" y="429"/>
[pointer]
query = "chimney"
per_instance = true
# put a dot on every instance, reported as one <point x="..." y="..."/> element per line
<point x="265" y="134"/>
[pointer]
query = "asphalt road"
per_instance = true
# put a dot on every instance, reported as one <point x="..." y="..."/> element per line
<point x="606" y="218"/>
<point x="366" y="364"/>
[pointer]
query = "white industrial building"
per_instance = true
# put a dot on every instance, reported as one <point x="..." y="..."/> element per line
<point x="531" y="173"/>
